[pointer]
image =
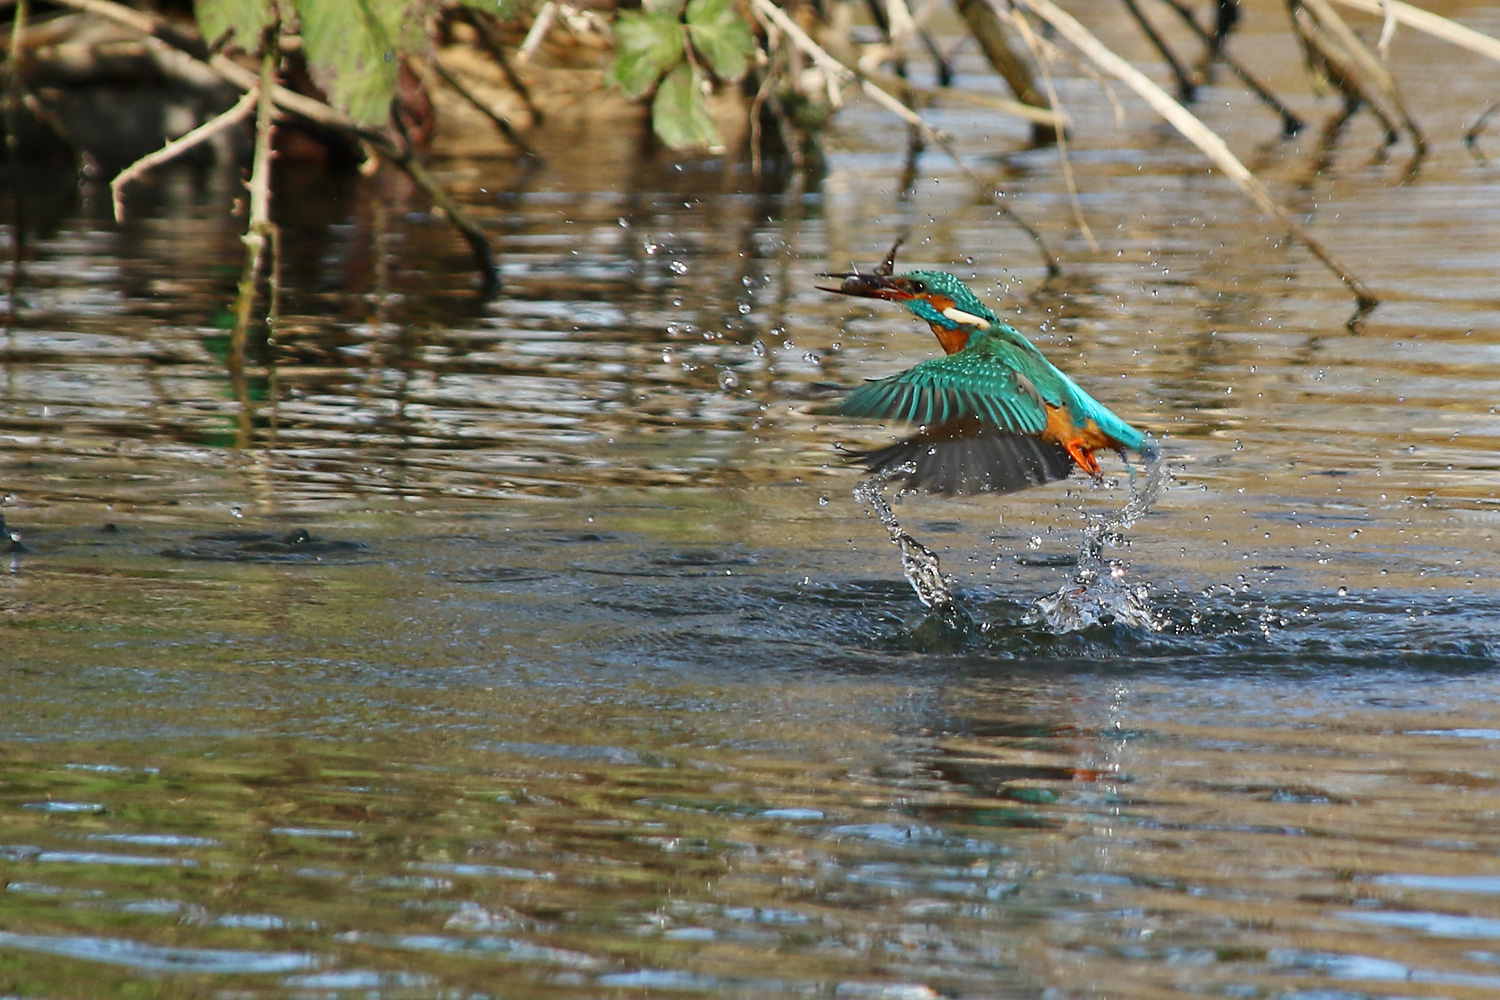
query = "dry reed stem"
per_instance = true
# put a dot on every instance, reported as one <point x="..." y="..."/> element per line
<point x="177" y="147"/>
<point x="1197" y="133"/>
<point x="1433" y="24"/>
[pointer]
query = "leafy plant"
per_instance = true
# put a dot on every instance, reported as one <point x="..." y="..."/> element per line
<point x="353" y="47"/>
<point x="673" y="46"/>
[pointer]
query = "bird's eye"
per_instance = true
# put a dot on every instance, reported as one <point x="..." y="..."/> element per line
<point x="918" y="286"/>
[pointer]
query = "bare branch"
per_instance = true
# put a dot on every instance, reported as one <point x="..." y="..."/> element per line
<point x="1196" y="132"/>
<point x="1432" y="24"/>
<point x="177" y="147"/>
<point x="836" y="70"/>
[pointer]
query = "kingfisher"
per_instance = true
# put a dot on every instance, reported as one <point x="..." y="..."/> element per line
<point x="992" y="415"/>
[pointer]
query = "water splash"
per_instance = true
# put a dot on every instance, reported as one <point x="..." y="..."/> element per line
<point x="1098" y="594"/>
<point x="918" y="562"/>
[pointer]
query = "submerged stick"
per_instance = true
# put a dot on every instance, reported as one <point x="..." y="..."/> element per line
<point x="1197" y="133"/>
<point x="1290" y="123"/>
<point x="178" y="146"/>
<point x="502" y="125"/>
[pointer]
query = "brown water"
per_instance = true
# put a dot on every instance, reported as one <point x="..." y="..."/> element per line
<point x="538" y="648"/>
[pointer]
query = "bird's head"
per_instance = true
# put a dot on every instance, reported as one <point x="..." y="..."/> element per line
<point x="946" y="303"/>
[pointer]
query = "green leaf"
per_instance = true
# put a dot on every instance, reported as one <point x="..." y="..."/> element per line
<point x="671" y="8"/>
<point x="721" y="34"/>
<point x="679" y="114"/>
<point x="354" y="47"/>
<point x="646" y="46"/>
<point x="242" y="22"/>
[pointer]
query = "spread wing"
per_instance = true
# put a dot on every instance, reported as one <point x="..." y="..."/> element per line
<point x="977" y="421"/>
<point x="965" y="456"/>
<point x="953" y="388"/>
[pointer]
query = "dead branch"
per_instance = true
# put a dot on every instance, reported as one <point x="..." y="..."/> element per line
<point x="1196" y="132"/>
<point x="769" y="12"/>
<point x="1433" y="24"/>
<point x="315" y="111"/>
<point x="177" y="147"/>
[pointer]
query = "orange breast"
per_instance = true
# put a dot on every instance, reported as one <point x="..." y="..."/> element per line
<point x="1079" y="442"/>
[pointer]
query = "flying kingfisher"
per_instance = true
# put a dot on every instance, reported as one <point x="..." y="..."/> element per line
<point x="993" y="415"/>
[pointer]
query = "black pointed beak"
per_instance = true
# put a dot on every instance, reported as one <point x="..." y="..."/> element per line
<point x="866" y="286"/>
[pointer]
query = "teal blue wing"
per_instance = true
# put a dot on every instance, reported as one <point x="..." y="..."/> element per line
<point x="978" y="422"/>
<point x="950" y="389"/>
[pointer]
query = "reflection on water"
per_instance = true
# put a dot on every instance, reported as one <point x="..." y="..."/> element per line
<point x="537" y="648"/>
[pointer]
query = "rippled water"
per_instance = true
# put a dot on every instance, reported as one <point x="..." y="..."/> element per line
<point x="539" y="647"/>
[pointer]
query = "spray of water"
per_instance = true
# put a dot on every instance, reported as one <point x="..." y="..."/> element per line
<point x="1098" y="593"/>
<point x="918" y="562"/>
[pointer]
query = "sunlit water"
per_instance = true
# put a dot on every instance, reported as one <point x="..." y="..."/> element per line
<point x="539" y="647"/>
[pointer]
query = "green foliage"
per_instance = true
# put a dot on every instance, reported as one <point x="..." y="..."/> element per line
<point x="721" y="36"/>
<point x="240" y="22"/>
<point x="648" y="46"/>
<point x="353" y="50"/>
<point x="679" y="113"/>
<point x="666" y="45"/>
<point x="353" y="47"/>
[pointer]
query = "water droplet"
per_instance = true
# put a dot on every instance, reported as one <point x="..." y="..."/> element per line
<point x="728" y="379"/>
<point x="1034" y="542"/>
<point x="822" y="501"/>
<point x="759" y="348"/>
<point x="236" y="512"/>
<point x="666" y="356"/>
<point x="678" y="267"/>
<point x="812" y="358"/>
<point x="744" y="309"/>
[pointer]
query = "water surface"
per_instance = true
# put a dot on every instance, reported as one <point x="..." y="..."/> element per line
<point x="539" y="648"/>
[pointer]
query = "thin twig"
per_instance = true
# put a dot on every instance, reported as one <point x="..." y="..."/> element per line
<point x="1432" y="24"/>
<point x="834" y="69"/>
<point x="504" y="127"/>
<point x="539" y="29"/>
<point x="177" y="147"/>
<point x="1387" y="32"/>
<point x="1196" y="132"/>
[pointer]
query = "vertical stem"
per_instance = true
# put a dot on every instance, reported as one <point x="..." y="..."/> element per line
<point x="14" y="83"/>
<point x="255" y="237"/>
<point x="14" y="89"/>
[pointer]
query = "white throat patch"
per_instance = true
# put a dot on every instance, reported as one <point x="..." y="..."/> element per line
<point x="957" y="315"/>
